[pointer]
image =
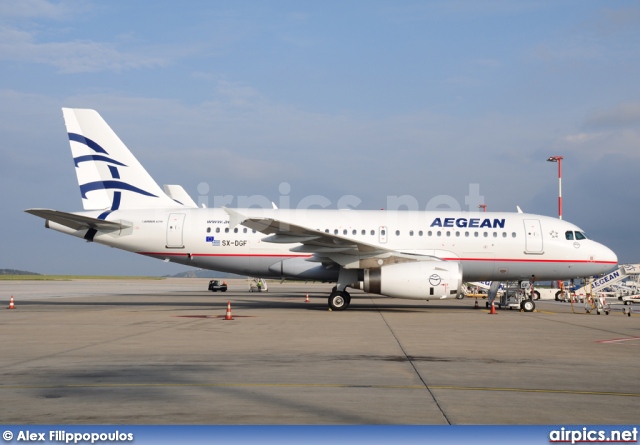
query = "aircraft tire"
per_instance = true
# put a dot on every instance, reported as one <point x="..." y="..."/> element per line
<point x="536" y="294"/>
<point x="338" y="301"/>
<point x="558" y="295"/>
<point x="528" y="306"/>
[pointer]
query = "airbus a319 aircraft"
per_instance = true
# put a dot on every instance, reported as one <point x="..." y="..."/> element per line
<point x="399" y="254"/>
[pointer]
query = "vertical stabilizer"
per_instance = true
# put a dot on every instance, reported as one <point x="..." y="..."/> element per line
<point x="110" y="177"/>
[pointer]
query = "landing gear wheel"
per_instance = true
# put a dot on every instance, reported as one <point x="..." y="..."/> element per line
<point x="347" y="297"/>
<point x="536" y="294"/>
<point x="528" y="306"/>
<point x="558" y="295"/>
<point x="339" y="301"/>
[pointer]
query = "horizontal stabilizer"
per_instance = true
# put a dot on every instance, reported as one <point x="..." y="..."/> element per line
<point x="76" y="222"/>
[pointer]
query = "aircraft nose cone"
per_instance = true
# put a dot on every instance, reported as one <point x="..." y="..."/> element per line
<point x="607" y="257"/>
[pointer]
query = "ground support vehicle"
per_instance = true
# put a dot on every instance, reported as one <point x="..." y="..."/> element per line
<point x="217" y="285"/>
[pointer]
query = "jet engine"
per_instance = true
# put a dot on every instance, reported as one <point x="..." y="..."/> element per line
<point x="420" y="280"/>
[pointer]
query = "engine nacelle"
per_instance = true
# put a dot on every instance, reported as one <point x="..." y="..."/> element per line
<point x="420" y="280"/>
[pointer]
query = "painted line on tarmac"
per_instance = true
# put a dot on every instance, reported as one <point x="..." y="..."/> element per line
<point x="318" y="385"/>
<point x="544" y="391"/>
<point x="618" y="340"/>
<point x="210" y="385"/>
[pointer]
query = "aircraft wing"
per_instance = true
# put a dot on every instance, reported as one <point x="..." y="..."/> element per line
<point x="325" y="247"/>
<point x="76" y="222"/>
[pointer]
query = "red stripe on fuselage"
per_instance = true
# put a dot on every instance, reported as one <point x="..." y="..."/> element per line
<point x="265" y="255"/>
<point x="527" y="260"/>
<point x="262" y="255"/>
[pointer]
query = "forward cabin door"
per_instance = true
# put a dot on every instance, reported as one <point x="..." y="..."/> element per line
<point x="533" y="236"/>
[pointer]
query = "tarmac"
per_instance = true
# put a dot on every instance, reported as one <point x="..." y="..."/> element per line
<point x="161" y="352"/>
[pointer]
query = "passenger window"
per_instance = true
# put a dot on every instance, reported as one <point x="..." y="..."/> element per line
<point x="475" y="234"/>
<point x="513" y="234"/>
<point x="420" y="233"/>
<point x="373" y="232"/>
<point x="354" y="232"/>
<point x="397" y="233"/>
<point x="226" y="230"/>
<point x="326" y="230"/>
<point x="504" y="234"/>
<point x="364" y="232"/>
<point x="439" y="233"/>
<point x="486" y="234"/>
<point x="580" y="235"/>
<point x="466" y="234"/>
<point x="569" y="235"/>
<point x="244" y="230"/>
<point x="429" y="233"/>
<point x="448" y="233"/>
<point x="457" y="233"/>
<point x="335" y="231"/>
<point x="495" y="234"/>
<point x="410" y="232"/>
<point x="383" y="232"/>
<point x="235" y="230"/>
<point x="344" y="232"/>
<point x="217" y="229"/>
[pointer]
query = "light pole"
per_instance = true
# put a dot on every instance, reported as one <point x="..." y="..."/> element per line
<point x="558" y="159"/>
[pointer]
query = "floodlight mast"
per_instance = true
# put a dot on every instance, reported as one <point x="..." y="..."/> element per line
<point x="558" y="159"/>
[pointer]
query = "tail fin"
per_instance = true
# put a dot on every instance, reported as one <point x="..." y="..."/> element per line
<point x="110" y="177"/>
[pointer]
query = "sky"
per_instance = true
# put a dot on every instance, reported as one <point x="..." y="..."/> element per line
<point x="426" y="102"/>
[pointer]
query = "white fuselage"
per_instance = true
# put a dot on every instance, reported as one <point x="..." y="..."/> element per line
<point x="489" y="246"/>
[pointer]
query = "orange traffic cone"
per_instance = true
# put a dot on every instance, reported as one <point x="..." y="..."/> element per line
<point x="493" y="308"/>
<point x="476" y="306"/>
<point x="228" y="316"/>
<point x="307" y="299"/>
<point x="11" y="305"/>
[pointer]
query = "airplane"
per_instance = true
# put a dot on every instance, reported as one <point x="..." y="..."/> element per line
<point x="420" y="255"/>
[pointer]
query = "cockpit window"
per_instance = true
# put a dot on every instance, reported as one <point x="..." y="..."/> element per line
<point x="580" y="235"/>
<point x="569" y="235"/>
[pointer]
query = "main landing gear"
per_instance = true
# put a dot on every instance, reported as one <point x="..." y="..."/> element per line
<point x="339" y="300"/>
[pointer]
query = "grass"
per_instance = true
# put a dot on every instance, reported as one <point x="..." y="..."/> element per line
<point x="70" y="277"/>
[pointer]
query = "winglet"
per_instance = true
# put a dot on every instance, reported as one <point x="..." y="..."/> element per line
<point x="519" y="209"/>
<point x="180" y="195"/>
<point x="235" y="218"/>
